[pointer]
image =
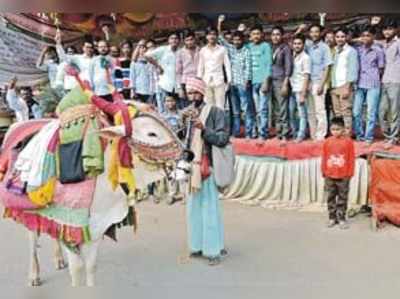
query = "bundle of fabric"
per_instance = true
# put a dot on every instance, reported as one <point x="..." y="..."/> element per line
<point x="30" y="192"/>
<point x="36" y="165"/>
<point x="79" y="141"/>
<point x="13" y="188"/>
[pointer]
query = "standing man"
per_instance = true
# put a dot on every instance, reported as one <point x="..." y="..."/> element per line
<point x="141" y="76"/>
<point x="321" y="61"/>
<point x="240" y="59"/>
<point x="122" y="80"/>
<point x="164" y="58"/>
<point x="372" y="63"/>
<point x="81" y="61"/>
<point x="300" y="80"/>
<point x="213" y="62"/>
<point x="344" y="77"/>
<point x="100" y="72"/>
<point x="63" y="80"/>
<point x="205" y="228"/>
<point x="48" y="61"/>
<point x="187" y="61"/>
<point x="261" y="59"/>
<point x="282" y="67"/>
<point x="390" y="106"/>
<point x="330" y="41"/>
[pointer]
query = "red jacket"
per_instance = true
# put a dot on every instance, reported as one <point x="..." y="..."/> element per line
<point x="338" y="158"/>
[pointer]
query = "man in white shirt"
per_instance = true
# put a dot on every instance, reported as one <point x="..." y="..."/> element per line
<point x="82" y="61"/>
<point x="344" y="77"/>
<point x="321" y="61"/>
<point x="48" y="62"/>
<point x="164" y="58"/>
<point x="100" y="72"/>
<point x="63" y="80"/>
<point x="214" y="67"/>
<point x="299" y="81"/>
<point x="23" y="104"/>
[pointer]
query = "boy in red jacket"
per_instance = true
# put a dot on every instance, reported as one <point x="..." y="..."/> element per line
<point x="338" y="159"/>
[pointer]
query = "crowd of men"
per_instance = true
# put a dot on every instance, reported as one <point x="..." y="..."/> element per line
<point x="275" y="83"/>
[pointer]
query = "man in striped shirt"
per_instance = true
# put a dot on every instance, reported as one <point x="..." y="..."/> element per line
<point x="372" y="62"/>
<point x="240" y="58"/>
<point x="187" y="60"/>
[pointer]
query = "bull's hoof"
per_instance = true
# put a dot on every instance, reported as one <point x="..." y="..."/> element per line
<point x="35" y="282"/>
<point x="61" y="264"/>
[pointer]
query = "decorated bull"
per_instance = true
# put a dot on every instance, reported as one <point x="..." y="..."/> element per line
<point x="61" y="186"/>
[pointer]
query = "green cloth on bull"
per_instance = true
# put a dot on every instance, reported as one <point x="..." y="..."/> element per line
<point x="75" y="97"/>
<point x="65" y="215"/>
<point x="92" y="152"/>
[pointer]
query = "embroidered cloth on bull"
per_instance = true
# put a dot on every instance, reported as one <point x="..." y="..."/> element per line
<point x="79" y="122"/>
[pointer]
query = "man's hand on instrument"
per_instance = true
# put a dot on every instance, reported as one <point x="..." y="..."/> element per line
<point x="198" y="124"/>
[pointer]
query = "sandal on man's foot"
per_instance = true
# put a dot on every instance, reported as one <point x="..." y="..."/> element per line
<point x="331" y="223"/>
<point x="224" y="253"/>
<point x="214" y="261"/>
<point x="343" y="224"/>
<point x="195" y="254"/>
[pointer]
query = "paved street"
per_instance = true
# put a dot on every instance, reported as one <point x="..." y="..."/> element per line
<point x="278" y="254"/>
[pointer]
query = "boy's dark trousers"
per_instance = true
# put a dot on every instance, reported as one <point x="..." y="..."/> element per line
<point x="337" y="191"/>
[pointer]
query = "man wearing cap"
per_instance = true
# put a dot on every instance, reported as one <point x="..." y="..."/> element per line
<point x="205" y="228"/>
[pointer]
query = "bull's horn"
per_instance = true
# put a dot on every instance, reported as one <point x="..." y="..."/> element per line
<point x="113" y="132"/>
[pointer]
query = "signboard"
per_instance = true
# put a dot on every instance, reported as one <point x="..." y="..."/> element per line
<point x="18" y="55"/>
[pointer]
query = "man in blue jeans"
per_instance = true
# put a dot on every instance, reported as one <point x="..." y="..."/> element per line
<point x="261" y="58"/>
<point x="300" y="81"/>
<point x="372" y="63"/>
<point x="240" y="59"/>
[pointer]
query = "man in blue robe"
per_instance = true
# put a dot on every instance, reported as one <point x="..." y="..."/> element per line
<point x="205" y="227"/>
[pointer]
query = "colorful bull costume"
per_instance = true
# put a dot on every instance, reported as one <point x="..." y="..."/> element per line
<point x="53" y="168"/>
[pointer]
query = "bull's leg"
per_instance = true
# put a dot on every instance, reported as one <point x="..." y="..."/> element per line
<point x="75" y="264"/>
<point x="90" y="254"/>
<point x="59" y="257"/>
<point x="34" y="268"/>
